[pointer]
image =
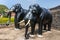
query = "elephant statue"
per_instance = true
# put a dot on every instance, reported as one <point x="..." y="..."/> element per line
<point x="37" y="14"/>
<point x="20" y="13"/>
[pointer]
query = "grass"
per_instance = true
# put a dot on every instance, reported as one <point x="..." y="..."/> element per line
<point x="4" y="20"/>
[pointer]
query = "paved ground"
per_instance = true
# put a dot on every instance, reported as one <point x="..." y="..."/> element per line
<point x="11" y="34"/>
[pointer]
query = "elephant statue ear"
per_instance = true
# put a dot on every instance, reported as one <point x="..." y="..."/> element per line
<point x="39" y="8"/>
<point x="30" y="6"/>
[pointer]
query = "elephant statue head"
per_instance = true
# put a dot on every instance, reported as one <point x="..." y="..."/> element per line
<point x="16" y="8"/>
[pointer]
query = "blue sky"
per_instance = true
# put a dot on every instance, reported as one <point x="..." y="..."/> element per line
<point x="25" y="3"/>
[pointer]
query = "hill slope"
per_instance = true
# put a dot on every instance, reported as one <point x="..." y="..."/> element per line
<point x="2" y="8"/>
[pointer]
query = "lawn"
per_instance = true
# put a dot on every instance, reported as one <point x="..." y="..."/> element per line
<point x="4" y="20"/>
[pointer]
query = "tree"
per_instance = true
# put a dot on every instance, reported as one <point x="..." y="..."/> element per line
<point x="2" y="9"/>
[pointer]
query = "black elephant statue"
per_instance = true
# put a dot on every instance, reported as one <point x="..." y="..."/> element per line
<point x="20" y="13"/>
<point x="37" y="14"/>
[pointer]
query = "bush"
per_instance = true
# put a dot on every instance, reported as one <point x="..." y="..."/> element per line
<point x="4" y="20"/>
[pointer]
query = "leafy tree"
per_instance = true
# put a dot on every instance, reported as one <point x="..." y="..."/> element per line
<point x="2" y="9"/>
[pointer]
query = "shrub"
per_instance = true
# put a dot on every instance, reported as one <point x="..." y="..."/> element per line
<point x="4" y="20"/>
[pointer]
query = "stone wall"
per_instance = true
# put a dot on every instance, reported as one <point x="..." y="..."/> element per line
<point x="56" y="19"/>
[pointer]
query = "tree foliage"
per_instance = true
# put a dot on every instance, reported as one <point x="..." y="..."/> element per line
<point x="2" y="9"/>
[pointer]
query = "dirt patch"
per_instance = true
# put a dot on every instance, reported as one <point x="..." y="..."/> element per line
<point x="12" y="34"/>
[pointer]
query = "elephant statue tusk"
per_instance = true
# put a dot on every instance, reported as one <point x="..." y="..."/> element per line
<point x="10" y="10"/>
<point x="21" y="21"/>
<point x="27" y="22"/>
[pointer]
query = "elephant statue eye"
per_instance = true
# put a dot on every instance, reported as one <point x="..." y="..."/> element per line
<point x="33" y="11"/>
<point x="30" y="9"/>
<point x="34" y="8"/>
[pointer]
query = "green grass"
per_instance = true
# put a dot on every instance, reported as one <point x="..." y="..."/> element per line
<point x="4" y="20"/>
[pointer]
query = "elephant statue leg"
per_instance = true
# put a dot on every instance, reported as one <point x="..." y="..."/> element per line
<point x="32" y="29"/>
<point x="19" y="24"/>
<point x="9" y="18"/>
<point x="49" y="27"/>
<point x="40" y="29"/>
<point x="26" y="31"/>
<point x="16" y="22"/>
<point x="44" y="27"/>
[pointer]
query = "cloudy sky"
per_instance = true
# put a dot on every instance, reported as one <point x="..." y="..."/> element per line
<point x="25" y="3"/>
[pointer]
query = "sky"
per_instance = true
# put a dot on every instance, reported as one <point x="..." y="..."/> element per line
<point x="25" y="3"/>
